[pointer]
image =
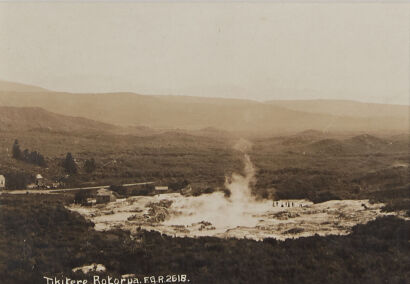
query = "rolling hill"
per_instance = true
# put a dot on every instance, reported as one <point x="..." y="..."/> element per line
<point x="360" y="144"/>
<point x="7" y="86"/>
<point x="344" y="108"/>
<point x="193" y="113"/>
<point x="27" y="118"/>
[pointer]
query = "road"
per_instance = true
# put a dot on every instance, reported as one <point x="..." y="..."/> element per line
<point x="51" y="191"/>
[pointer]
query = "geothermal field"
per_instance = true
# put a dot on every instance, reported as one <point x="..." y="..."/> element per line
<point x="238" y="215"/>
<point x="214" y="215"/>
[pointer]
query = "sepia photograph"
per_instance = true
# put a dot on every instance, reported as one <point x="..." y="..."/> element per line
<point x="205" y="142"/>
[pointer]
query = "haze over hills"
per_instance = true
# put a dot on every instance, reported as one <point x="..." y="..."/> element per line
<point x="26" y="118"/>
<point x="6" y="86"/>
<point x="193" y="113"/>
<point x="344" y="107"/>
<point x="360" y="144"/>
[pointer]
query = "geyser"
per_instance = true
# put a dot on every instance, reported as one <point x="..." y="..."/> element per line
<point x="223" y="212"/>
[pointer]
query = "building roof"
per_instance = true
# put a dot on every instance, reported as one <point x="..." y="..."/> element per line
<point x="39" y="176"/>
<point x="104" y="191"/>
<point x="161" y="188"/>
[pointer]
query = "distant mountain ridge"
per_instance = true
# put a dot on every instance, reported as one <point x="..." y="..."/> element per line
<point x="28" y="118"/>
<point x="6" y="86"/>
<point x="344" y="108"/>
<point x="194" y="113"/>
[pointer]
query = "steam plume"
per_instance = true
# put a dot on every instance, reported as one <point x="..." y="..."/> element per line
<point x="223" y="212"/>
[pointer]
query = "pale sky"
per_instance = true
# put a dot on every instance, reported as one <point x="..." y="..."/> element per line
<point x="259" y="51"/>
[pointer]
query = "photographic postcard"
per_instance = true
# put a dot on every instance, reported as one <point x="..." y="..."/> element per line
<point x="204" y="142"/>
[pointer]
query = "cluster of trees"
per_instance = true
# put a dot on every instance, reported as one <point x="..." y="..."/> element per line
<point x="33" y="157"/>
<point x="70" y="166"/>
<point x="18" y="180"/>
<point x="90" y="165"/>
<point x="36" y="158"/>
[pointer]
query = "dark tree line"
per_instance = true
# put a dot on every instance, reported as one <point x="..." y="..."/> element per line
<point x="32" y="157"/>
<point x="18" y="180"/>
<point x="69" y="164"/>
<point x="89" y="165"/>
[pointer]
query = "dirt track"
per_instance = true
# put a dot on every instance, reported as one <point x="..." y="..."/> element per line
<point x="51" y="191"/>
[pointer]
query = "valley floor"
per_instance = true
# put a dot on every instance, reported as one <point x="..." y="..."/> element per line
<point x="40" y="237"/>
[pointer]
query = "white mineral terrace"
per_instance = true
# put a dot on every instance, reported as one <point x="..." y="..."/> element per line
<point x="215" y="215"/>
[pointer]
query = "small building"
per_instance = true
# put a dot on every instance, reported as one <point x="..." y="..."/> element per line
<point x="32" y="186"/>
<point x="161" y="189"/>
<point x="105" y="196"/>
<point x="39" y="180"/>
<point x="91" y="201"/>
<point x="55" y="185"/>
<point x="2" y="182"/>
